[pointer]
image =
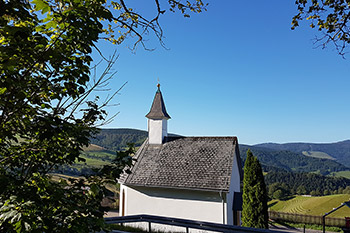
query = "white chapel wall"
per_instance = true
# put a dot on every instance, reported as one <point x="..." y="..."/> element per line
<point x="186" y="204"/>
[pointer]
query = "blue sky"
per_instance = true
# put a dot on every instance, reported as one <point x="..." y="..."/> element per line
<point x="236" y="70"/>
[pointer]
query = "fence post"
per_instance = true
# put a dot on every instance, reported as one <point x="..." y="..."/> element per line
<point x="347" y="222"/>
<point x="324" y="224"/>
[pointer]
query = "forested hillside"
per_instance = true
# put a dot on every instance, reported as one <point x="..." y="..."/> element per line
<point x="290" y="183"/>
<point x="339" y="150"/>
<point x="271" y="159"/>
<point x="117" y="139"/>
<point x="291" y="161"/>
<point x="288" y="170"/>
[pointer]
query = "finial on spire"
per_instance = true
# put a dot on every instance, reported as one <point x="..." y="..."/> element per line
<point x="158" y="110"/>
<point x="158" y="85"/>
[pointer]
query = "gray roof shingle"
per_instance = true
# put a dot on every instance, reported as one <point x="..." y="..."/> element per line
<point x="203" y="163"/>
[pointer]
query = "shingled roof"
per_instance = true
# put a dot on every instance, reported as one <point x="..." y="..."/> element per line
<point x="199" y="163"/>
<point x="158" y="110"/>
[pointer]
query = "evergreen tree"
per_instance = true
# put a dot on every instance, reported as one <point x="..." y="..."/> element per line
<point x="254" y="212"/>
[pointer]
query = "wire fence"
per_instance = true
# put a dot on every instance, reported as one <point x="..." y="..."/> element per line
<point x="308" y="219"/>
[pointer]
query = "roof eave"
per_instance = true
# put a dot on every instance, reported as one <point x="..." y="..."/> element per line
<point x="181" y="188"/>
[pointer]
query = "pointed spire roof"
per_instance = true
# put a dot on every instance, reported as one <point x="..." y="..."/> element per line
<point x="158" y="110"/>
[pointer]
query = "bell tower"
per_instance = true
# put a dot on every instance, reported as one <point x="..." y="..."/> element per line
<point x="157" y="119"/>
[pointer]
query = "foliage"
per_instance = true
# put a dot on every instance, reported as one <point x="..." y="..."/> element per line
<point x="254" y="213"/>
<point x="278" y="191"/>
<point x="122" y="163"/>
<point x="292" y="183"/>
<point x="331" y="17"/>
<point x="46" y="116"/>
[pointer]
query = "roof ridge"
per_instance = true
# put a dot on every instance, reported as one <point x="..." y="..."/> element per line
<point x="202" y="137"/>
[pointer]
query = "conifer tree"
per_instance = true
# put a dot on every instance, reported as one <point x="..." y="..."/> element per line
<point x="254" y="213"/>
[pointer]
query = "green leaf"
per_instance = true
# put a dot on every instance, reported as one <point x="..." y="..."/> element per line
<point x="3" y="90"/>
<point x="41" y="6"/>
<point x="18" y="226"/>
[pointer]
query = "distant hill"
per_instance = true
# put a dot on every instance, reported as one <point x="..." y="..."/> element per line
<point x="95" y="148"/>
<point x="272" y="159"/>
<point x="117" y="139"/>
<point x="277" y="160"/>
<point x="288" y="165"/>
<point x="309" y="181"/>
<point x="340" y="151"/>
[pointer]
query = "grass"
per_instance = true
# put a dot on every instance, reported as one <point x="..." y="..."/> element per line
<point x="345" y="174"/>
<point x="313" y="205"/>
<point x="103" y="155"/>
<point x="318" y="154"/>
<point x="93" y="147"/>
<point x="57" y="177"/>
<point x="307" y="226"/>
<point x="125" y="228"/>
<point x="93" y="162"/>
<point x="132" y="229"/>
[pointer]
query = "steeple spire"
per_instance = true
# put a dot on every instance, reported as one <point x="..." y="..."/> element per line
<point x="157" y="120"/>
<point x="158" y="110"/>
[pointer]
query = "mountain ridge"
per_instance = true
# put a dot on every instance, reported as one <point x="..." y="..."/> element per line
<point x="340" y="151"/>
<point x="271" y="159"/>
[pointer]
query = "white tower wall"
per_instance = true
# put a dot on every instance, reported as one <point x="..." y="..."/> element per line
<point x="157" y="130"/>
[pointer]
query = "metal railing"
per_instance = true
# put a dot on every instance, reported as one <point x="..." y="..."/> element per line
<point x="187" y="224"/>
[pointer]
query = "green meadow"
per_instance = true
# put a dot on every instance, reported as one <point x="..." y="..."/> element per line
<point x="313" y="205"/>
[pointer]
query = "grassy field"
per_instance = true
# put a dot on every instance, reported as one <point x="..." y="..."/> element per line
<point x="93" y="147"/>
<point x="345" y="174"/>
<point x="313" y="205"/>
<point x="57" y="177"/>
<point x="318" y="154"/>
<point x="93" y="162"/>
